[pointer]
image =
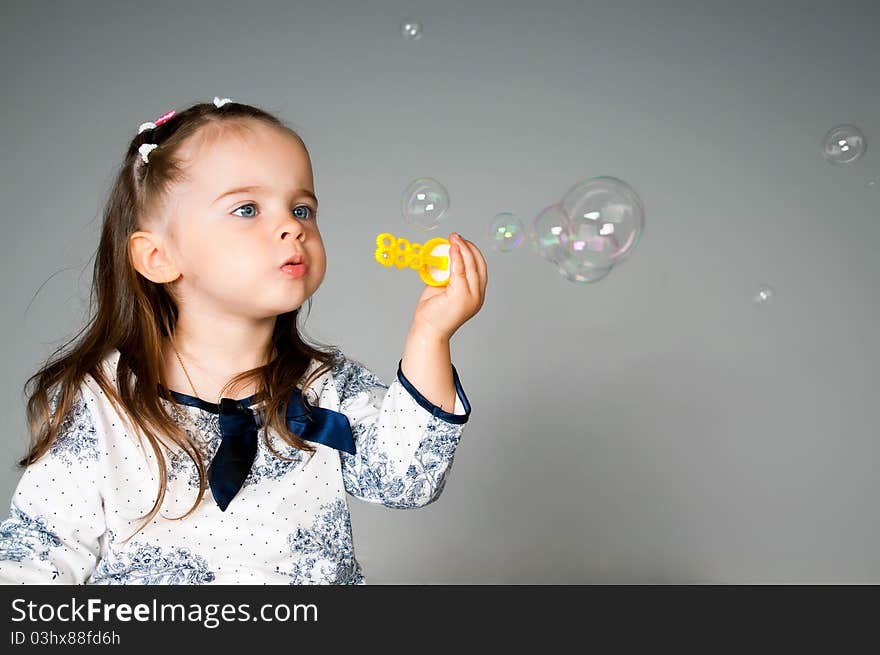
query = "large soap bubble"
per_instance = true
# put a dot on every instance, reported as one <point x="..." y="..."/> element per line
<point x="424" y="202"/>
<point x="605" y="217"/>
<point x="843" y="144"/>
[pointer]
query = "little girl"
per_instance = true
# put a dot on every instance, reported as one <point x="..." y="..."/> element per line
<point x="191" y="436"/>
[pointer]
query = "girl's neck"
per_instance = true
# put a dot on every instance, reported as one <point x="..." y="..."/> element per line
<point x="208" y="382"/>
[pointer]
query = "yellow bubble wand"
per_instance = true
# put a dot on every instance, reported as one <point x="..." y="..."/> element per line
<point x="431" y="260"/>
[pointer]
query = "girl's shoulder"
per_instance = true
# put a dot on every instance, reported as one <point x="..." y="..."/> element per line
<point x="352" y="377"/>
<point x="80" y="437"/>
<point x="344" y="367"/>
<point x="103" y="410"/>
<point x="108" y="364"/>
<point x="89" y="391"/>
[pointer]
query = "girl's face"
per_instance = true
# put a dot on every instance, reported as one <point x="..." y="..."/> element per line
<point x="228" y="243"/>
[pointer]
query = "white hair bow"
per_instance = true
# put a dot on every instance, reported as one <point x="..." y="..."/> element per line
<point x="146" y="149"/>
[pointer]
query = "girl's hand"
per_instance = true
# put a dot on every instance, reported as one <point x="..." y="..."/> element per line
<point x="442" y="310"/>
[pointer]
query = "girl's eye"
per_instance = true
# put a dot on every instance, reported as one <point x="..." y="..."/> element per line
<point x="296" y="210"/>
<point x="305" y="207"/>
<point x="250" y="204"/>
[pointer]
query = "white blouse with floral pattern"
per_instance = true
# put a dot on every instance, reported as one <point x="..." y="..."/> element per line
<point x="289" y="524"/>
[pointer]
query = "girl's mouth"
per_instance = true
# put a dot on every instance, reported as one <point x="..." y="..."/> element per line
<point x="294" y="270"/>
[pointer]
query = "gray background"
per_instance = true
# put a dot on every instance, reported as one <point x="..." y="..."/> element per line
<point x="656" y="427"/>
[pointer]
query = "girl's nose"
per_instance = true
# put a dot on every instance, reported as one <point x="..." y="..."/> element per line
<point x="291" y="227"/>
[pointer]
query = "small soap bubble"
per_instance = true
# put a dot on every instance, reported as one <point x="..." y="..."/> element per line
<point x="843" y="144"/>
<point x="506" y="232"/>
<point x="764" y="295"/>
<point x="872" y="184"/>
<point x="424" y="202"/>
<point x="411" y="29"/>
<point x="551" y="233"/>
<point x="606" y="217"/>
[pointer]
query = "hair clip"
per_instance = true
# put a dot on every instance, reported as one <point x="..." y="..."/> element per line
<point x="153" y="125"/>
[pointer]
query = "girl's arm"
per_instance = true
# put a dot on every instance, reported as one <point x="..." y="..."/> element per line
<point x="405" y="443"/>
<point x="405" y="440"/>
<point x="56" y="516"/>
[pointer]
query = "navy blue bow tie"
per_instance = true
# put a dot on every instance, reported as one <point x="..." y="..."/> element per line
<point x="238" y="427"/>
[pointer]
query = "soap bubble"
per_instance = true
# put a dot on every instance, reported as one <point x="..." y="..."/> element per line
<point x="551" y="233"/>
<point x="424" y="202"/>
<point x="843" y="144"/>
<point x="764" y="295"/>
<point x="505" y="232"/>
<point x="580" y="271"/>
<point x="606" y="217"/>
<point x="411" y="29"/>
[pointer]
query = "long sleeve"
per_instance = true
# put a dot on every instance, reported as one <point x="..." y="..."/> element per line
<point x="56" y="519"/>
<point x="405" y="444"/>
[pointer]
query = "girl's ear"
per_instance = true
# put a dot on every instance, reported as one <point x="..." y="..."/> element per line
<point x="148" y="256"/>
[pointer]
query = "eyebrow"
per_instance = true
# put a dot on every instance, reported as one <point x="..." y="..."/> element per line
<point x="248" y="189"/>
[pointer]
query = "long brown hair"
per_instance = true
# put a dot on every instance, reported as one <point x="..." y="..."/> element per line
<point x="134" y="314"/>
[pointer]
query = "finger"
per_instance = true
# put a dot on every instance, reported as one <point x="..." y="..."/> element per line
<point x="470" y="269"/>
<point x="479" y="265"/>
<point x="482" y="273"/>
<point x="457" y="274"/>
